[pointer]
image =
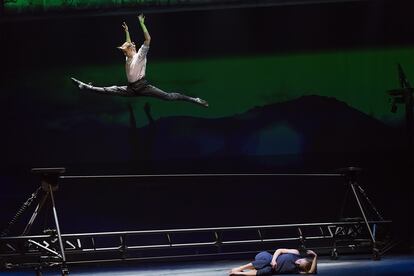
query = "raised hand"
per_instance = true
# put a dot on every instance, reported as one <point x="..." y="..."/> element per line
<point x="125" y="26"/>
<point x="310" y="252"/>
<point x="147" y="36"/>
<point x="141" y="18"/>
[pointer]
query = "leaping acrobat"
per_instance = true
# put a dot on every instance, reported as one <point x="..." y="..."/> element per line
<point x="135" y="67"/>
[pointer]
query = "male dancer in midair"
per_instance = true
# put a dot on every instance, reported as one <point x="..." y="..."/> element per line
<point x="135" y="66"/>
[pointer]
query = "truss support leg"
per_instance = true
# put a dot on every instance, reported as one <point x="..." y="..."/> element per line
<point x="375" y="252"/>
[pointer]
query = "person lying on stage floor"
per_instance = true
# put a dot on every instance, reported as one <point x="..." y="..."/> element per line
<point x="283" y="261"/>
<point x="135" y="70"/>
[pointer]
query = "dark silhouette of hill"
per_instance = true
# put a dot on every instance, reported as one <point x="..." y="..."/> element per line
<point x="309" y="124"/>
<point x="306" y="126"/>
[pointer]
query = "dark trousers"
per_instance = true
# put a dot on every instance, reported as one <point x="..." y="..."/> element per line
<point x="140" y="88"/>
<point x="262" y="263"/>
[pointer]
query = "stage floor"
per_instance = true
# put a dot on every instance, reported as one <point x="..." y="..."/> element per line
<point x="346" y="265"/>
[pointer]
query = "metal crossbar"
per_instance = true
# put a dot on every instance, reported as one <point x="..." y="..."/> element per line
<point x="198" y="175"/>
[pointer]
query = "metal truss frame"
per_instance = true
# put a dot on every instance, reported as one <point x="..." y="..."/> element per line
<point x="56" y="249"/>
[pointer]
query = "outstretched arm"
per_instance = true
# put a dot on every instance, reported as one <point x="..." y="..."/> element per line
<point x="147" y="36"/>
<point x="127" y="37"/>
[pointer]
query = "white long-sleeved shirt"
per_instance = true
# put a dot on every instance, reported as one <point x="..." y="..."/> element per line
<point x="135" y="66"/>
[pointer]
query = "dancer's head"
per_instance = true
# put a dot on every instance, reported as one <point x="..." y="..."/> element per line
<point x="304" y="264"/>
<point x="128" y="48"/>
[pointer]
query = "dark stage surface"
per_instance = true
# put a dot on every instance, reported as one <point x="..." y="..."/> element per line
<point x="346" y="265"/>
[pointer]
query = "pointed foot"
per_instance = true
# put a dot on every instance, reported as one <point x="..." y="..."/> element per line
<point x="202" y="102"/>
<point x="78" y="83"/>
